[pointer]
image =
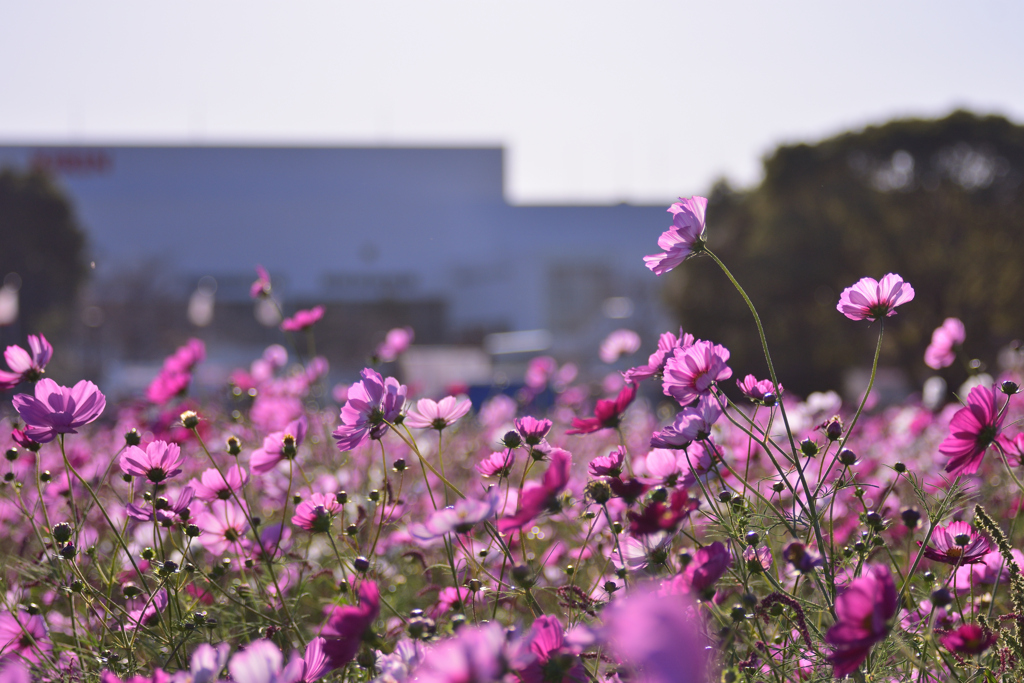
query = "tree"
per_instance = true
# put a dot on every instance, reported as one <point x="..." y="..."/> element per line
<point x="43" y="243"/>
<point x="940" y="202"/>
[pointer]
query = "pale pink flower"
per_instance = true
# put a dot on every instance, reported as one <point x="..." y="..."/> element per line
<point x="23" y="366"/>
<point x="159" y="462"/>
<point x="261" y="287"/>
<point x="279" y="446"/>
<point x="667" y="345"/>
<point x="692" y="423"/>
<point x="395" y="343"/>
<point x="316" y="512"/>
<point x="224" y="528"/>
<point x="303" y="320"/>
<point x="870" y="299"/>
<point x="619" y="343"/>
<point x="684" y="238"/>
<point x="212" y="485"/>
<point x="437" y="415"/>
<point x="942" y="351"/>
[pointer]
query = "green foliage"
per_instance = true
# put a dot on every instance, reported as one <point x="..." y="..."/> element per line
<point x="44" y="245"/>
<point x="940" y="202"/>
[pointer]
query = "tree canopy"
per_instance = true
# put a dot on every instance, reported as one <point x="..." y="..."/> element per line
<point x="939" y="202"/>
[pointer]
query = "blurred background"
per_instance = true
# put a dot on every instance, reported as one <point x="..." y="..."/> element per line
<point x="491" y="174"/>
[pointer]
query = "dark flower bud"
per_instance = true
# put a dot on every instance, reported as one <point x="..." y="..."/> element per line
<point x="808" y="448"/>
<point x="522" y="575"/>
<point x="776" y="609"/>
<point x="569" y="570"/>
<point x="659" y="495"/>
<point x="69" y="551"/>
<point x="620" y="572"/>
<point x="45" y="476"/>
<point x="33" y="609"/>
<point x="361" y="564"/>
<point x="343" y="586"/>
<point x="77" y="586"/>
<point x="834" y="429"/>
<point x="9" y="476"/>
<point x="234" y="445"/>
<point x="617" y="528"/>
<point x="296" y="499"/>
<point x="962" y="539"/>
<point x="778" y="487"/>
<point x="748" y="600"/>
<point x="189" y="567"/>
<point x="685" y="559"/>
<point x="374" y="495"/>
<point x="130" y="590"/>
<point x="858" y="492"/>
<point x="341" y="497"/>
<point x="170" y="567"/>
<point x="878" y="541"/>
<point x="366" y="659"/>
<point x="11" y="454"/>
<point x="132" y="437"/>
<point x="900" y="468"/>
<point x="458" y="621"/>
<point x="147" y="554"/>
<point x="847" y="458"/>
<point x="61" y="532"/>
<point x="929" y="577"/>
<point x="752" y="538"/>
<point x="1009" y="388"/>
<point x="910" y="517"/>
<point x="770" y="399"/>
<point x="860" y="546"/>
<point x="126" y="478"/>
<point x="189" y="419"/>
<point x="399" y="465"/>
<point x="599" y="491"/>
<point x="738" y="613"/>
<point x="725" y="496"/>
<point x="512" y="439"/>
<point x="874" y="520"/>
<point x="475" y="585"/>
<point x="610" y="586"/>
<point x="941" y="597"/>
<point x="351" y="530"/>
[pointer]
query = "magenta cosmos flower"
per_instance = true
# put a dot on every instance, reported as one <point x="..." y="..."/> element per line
<point x="971" y="431"/>
<point x="261" y="287"/>
<point x="372" y="403"/>
<point x="497" y="464"/>
<point x="870" y="299"/>
<point x="347" y="624"/>
<point x="532" y="430"/>
<point x="863" y="611"/>
<point x="279" y="446"/>
<point x="969" y="639"/>
<point x="25" y="367"/>
<point x="942" y="351"/>
<point x="316" y="512"/>
<point x="437" y="415"/>
<point x="663" y="517"/>
<point x="58" y="410"/>
<point x="685" y="237"/>
<point x="667" y="345"/>
<point x="303" y="320"/>
<point x="540" y="496"/>
<point x="159" y="462"/>
<point x="213" y="486"/>
<point x="690" y="373"/>
<point x="606" y="413"/>
<point x="459" y="518"/>
<point x="958" y="543"/>
<point x="761" y="392"/>
<point x="693" y="423"/>
<point x="553" y="661"/>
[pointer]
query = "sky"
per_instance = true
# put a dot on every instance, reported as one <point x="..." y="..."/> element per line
<point x="595" y="102"/>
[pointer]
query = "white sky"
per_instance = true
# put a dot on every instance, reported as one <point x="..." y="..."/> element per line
<point x="595" y="101"/>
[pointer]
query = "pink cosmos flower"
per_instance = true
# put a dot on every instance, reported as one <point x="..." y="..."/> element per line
<point x="371" y="403"/>
<point x="684" y="238"/>
<point x="971" y="431"/>
<point x="58" y="410"/>
<point x="459" y="518"/>
<point x="761" y="392"/>
<point x="316" y="512"/>
<point x="1013" y="447"/>
<point x="24" y="635"/>
<point x="667" y="345"/>
<point x="532" y="430"/>
<point x="619" y="343"/>
<point x="690" y="373"/>
<point x="476" y="654"/>
<point x="262" y="662"/>
<point x="656" y="635"/>
<point x="606" y="413"/>
<point x="176" y="373"/>
<point x="207" y="662"/>
<point x="863" y="611"/>
<point x="429" y="414"/>
<point x="969" y="639"/>
<point x="279" y="446"/>
<point x="677" y="466"/>
<point x="708" y="565"/>
<point x="25" y="367"/>
<point x="942" y="351"/>
<point x="212" y="486"/>
<point x="303" y="320"/>
<point x="159" y="462"/>
<point x="958" y="543"/>
<point x="692" y="423"/>
<point x="165" y="511"/>
<point x="261" y="287"/>
<point x="224" y="528"/>
<point x="539" y="371"/>
<point x="149" y="612"/>
<point x="608" y="465"/>
<point x="347" y="624"/>
<point x="870" y="299"/>
<point x="803" y="559"/>
<point x="553" y="661"/>
<point x="540" y="496"/>
<point x="497" y="464"/>
<point x="395" y="343"/>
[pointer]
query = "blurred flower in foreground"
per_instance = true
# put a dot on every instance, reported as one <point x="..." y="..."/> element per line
<point x="870" y="299"/>
<point x="261" y="287"/>
<point x="863" y="611"/>
<point x="606" y="413"/>
<point x="969" y="639"/>
<point x="25" y="367"/>
<point x="684" y="238"/>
